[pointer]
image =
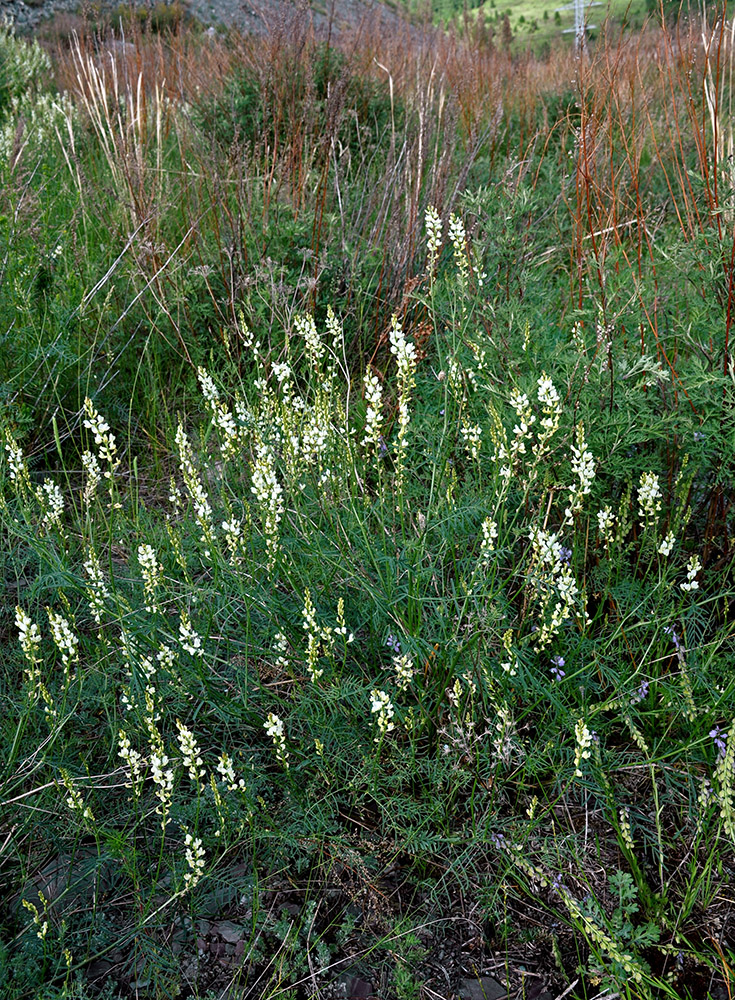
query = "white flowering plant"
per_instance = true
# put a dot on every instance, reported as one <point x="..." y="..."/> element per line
<point x="427" y="577"/>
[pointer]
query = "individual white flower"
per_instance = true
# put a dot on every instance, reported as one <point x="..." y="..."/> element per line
<point x="195" y="855"/>
<point x="405" y="354"/>
<point x="472" y="435"/>
<point x="374" y="415"/>
<point x="163" y="779"/>
<point x="274" y="727"/>
<point x="97" y="592"/>
<point x="313" y="637"/>
<point x="16" y="462"/>
<point x="382" y="706"/>
<point x="403" y="350"/>
<point x="221" y="415"/>
<point x="433" y="223"/>
<point x="667" y="545"/>
<point x="200" y="500"/>
<point x="306" y="328"/>
<point x="547" y="394"/>
<point x="226" y="770"/>
<point x="51" y="500"/>
<point x="133" y="761"/>
<point x="190" y="752"/>
<point x="74" y="798"/>
<point x="65" y="640"/>
<point x="29" y="637"/>
<point x="693" y="567"/>
<point x="551" y="406"/>
<point x="583" y="738"/>
<point x="489" y="536"/>
<point x="404" y="671"/>
<point x="269" y="494"/>
<point x="605" y="521"/>
<point x="94" y="475"/>
<point x="189" y="638"/>
<point x="103" y="438"/>
<point x="166" y="657"/>
<point x="458" y="239"/>
<point x="583" y="467"/>
<point x="152" y="575"/>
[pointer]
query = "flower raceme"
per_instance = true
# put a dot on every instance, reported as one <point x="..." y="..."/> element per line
<point x="649" y="498"/>
<point x="274" y="727"/>
<point x="382" y="707"/>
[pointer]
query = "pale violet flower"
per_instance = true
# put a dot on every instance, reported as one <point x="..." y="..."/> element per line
<point x="556" y="669"/>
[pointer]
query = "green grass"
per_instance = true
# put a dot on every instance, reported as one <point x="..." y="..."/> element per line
<point x="536" y="23"/>
<point x="366" y="460"/>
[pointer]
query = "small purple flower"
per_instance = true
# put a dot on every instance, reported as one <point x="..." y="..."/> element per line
<point x="719" y="740"/>
<point x="640" y="693"/>
<point x="565" y="555"/>
<point x="498" y="841"/>
<point x="382" y="448"/>
<point x="699" y="436"/>
<point x="670" y="630"/>
<point x="556" y="670"/>
<point x="393" y="644"/>
<point x="557" y="885"/>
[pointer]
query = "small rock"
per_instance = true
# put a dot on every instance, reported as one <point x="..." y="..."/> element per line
<point x="95" y="970"/>
<point x="190" y="968"/>
<point x="354" y="988"/>
<point x="484" y="988"/>
<point x="232" y="933"/>
<point x="536" y="992"/>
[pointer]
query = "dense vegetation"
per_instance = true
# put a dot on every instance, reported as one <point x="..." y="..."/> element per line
<point x="367" y="415"/>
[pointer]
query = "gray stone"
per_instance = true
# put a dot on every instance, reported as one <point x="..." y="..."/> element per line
<point x="353" y="988"/>
<point x="232" y="933"/>
<point x="484" y="988"/>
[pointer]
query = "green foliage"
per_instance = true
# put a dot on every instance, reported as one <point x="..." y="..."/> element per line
<point x="318" y="637"/>
<point x="24" y="67"/>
